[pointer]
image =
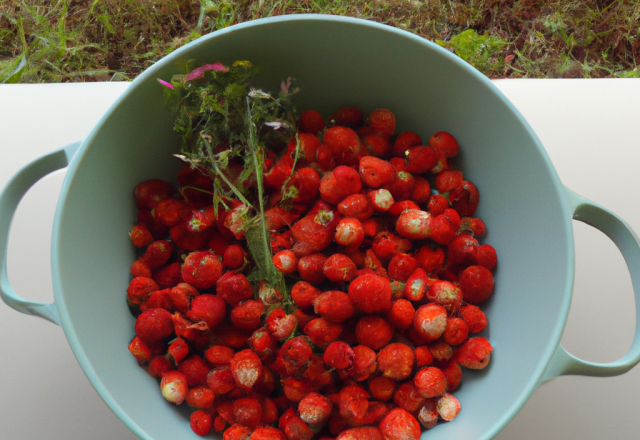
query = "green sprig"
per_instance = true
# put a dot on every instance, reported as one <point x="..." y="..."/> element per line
<point x="222" y="120"/>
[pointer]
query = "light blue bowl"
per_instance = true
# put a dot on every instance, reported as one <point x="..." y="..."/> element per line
<point x="336" y="61"/>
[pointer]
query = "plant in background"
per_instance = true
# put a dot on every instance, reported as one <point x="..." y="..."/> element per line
<point x="98" y="40"/>
<point x="481" y="51"/>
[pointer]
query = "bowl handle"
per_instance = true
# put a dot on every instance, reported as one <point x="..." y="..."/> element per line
<point x="563" y="362"/>
<point x="10" y="197"/>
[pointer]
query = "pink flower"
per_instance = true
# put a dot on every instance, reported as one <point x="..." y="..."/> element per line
<point x="164" y="83"/>
<point x="199" y="71"/>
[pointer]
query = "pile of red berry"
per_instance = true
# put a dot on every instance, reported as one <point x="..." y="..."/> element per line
<point x="384" y="275"/>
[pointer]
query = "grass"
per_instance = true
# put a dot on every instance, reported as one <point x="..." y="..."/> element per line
<point x="102" y="40"/>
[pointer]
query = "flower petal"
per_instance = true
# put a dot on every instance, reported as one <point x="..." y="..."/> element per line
<point x="198" y="72"/>
<point x="164" y="83"/>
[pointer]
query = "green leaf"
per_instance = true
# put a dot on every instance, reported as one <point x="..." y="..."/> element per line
<point x="14" y="71"/>
<point x="62" y="36"/>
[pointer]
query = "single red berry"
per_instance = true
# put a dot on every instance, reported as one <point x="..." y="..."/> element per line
<point x="381" y="200"/>
<point x="158" y="253"/>
<point x="311" y="121"/>
<point x="476" y="283"/>
<point x="200" y="397"/>
<point x="414" y="224"/>
<point x="365" y="363"/>
<point x="195" y="369"/>
<point x="346" y="117"/>
<point x="453" y="374"/>
<point x="201" y="422"/>
<point x="445" y="142"/>
<point x="324" y="158"/>
<point x="334" y="306"/>
<point x="234" y="287"/>
<point x="159" y="366"/>
<point x="246" y="368"/>
<point x="182" y="295"/>
<point x="401" y="267"/>
<point x="303" y="294"/>
<point x="286" y="261"/>
<point x="187" y="240"/>
<point x="398" y="424"/>
<point x="408" y="397"/>
<point x="396" y="361"/>
<point x="383" y="122"/>
<point x="475" y="353"/>
<point x="174" y="387"/>
<point x="375" y="172"/>
<point x="437" y="204"/>
<point x="280" y="324"/>
<point x="219" y="355"/>
<point x="149" y="193"/>
<point x="202" y="269"/>
<point x="201" y="219"/>
<point x="370" y="293"/>
<point x="140" y="236"/>
<point x="310" y="267"/>
<point x="237" y="432"/>
<point x="357" y="206"/>
<point x="208" y="308"/>
<point x="178" y="350"/>
<point x="344" y="144"/>
<point x="140" y="350"/>
<point x="349" y="233"/>
<point x="315" y="410"/>
<point x="246" y="316"/>
<point x="456" y="332"/>
<point x="382" y="388"/>
<point x="339" y="268"/>
<point x="474" y="317"/>
<point x="401" y="314"/>
<point x="430" y="321"/>
<point x="421" y="190"/>
<point x="171" y="211"/>
<point x="322" y="332"/>
<point x="445" y="294"/>
<point x="234" y="257"/>
<point x="248" y="412"/>
<point x="377" y="145"/>
<point x="140" y="288"/>
<point x="154" y="325"/>
<point x="486" y="256"/>
<point x="220" y="380"/>
<point x="421" y="159"/>
<point x="139" y="268"/>
<point x="374" y="332"/>
<point x="404" y="142"/>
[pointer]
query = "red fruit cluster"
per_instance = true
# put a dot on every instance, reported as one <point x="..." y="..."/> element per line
<point x="385" y="272"/>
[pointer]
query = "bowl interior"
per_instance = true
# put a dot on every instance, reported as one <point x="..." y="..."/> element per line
<point x="335" y="62"/>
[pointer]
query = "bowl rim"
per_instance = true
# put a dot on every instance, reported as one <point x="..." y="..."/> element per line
<point x="150" y="75"/>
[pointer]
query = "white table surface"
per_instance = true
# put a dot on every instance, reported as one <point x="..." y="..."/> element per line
<point x="591" y="131"/>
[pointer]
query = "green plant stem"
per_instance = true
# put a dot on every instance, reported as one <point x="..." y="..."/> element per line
<point x="253" y="147"/>
<point x="293" y="167"/>
<point x="219" y="172"/>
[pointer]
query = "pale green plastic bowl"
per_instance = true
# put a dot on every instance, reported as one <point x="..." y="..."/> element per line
<point x="335" y="61"/>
